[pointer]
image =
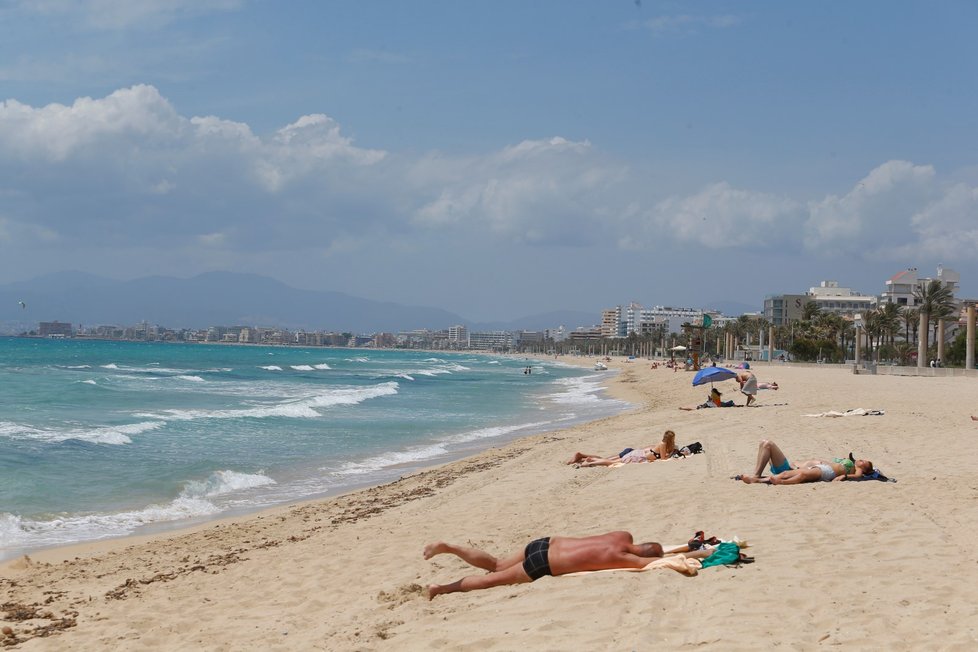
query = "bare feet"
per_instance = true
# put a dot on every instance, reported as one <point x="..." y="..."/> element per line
<point x="974" y="418"/>
<point x="432" y="549"/>
<point x="432" y="591"/>
<point x="750" y="479"/>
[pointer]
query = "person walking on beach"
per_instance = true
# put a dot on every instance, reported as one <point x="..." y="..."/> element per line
<point x="547" y="556"/>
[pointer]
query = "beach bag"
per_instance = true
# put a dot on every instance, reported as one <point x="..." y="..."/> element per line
<point x="690" y="449"/>
<point x="726" y="554"/>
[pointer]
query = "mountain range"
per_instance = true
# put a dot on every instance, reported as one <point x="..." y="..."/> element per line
<point x="227" y="298"/>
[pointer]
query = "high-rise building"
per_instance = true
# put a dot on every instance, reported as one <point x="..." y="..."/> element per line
<point x="54" y="329"/>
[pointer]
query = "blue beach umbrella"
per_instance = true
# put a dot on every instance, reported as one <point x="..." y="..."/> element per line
<point x="712" y="375"/>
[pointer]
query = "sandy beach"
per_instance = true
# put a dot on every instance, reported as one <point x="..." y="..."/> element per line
<point x="866" y="565"/>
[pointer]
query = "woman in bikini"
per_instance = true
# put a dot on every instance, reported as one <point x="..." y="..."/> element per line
<point x="661" y="451"/>
<point x="784" y="472"/>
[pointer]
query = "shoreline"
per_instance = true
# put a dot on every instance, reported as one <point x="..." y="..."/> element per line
<point x="347" y="572"/>
<point x="176" y="527"/>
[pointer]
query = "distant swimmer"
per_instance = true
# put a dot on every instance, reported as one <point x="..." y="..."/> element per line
<point x="22" y="304"/>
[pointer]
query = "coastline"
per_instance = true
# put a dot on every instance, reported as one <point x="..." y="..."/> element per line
<point x="545" y="409"/>
<point x="347" y="573"/>
<point x="170" y="529"/>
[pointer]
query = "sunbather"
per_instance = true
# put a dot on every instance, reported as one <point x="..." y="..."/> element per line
<point x="784" y="472"/>
<point x="715" y="399"/>
<point x="663" y="450"/>
<point x="548" y="556"/>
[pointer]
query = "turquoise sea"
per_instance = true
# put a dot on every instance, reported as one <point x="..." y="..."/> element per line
<point x="101" y="439"/>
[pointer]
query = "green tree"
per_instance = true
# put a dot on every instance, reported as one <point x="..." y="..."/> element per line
<point x="933" y="299"/>
<point x="810" y="311"/>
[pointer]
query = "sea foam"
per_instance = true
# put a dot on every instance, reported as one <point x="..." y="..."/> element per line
<point x="116" y="435"/>
<point x="192" y="502"/>
<point x="303" y="408"/>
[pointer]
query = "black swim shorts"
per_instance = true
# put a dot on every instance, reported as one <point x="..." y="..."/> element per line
<point x="536" y="560"/>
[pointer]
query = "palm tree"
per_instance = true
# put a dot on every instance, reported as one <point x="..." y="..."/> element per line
<point x="871" y="324"/>
<point x="932" y="299"/>
<point x="911" y="316"/>
<point x="846" y="334"/>
<point x="890" y="317"/>
<point x="940" y="314"/>
<point x="810" y="311"/>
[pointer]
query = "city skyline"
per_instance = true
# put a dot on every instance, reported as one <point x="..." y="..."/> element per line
<point x="493" y="159"/>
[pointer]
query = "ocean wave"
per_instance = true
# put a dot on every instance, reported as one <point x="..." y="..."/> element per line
<point x="116" y="435"/>
<point x="87" y="382"/>
<point x="392" y="458"/>
<point x="495" y="431"/>
<point x="321" y="366"/>
<point x="419" y="454"/>
<point x="360" y="359"/>
<point x="111" y="365"/>
<point x="301" y="367"/>
<point x="430" y="372"/>
<point x="78" y="366"/>
<point x="193" y="379"/>
<point x="192" y="502"/>
<point x="271" y="367"/>
<point x="302" y="408"/>
<point x="584" y="391"/>
<point x="220" y="483"/>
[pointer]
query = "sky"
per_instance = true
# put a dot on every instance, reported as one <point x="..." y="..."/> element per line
<point x="495" y="158"/>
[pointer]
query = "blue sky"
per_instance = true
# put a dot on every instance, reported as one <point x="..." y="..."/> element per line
<point x="494" y="158"/>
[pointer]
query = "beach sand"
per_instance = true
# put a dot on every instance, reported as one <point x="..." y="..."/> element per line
<point x="866" y="565"/>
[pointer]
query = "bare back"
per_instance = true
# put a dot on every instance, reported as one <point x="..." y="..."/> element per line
<point x="612" y="550"/>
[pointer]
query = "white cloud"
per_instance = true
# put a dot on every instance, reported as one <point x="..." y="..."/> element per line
<point x="56" y="131"/>
<point x="122" y="14"/>
<point x="875" y="216"/>
<point x="128" y="171"/>
<point x="947" y="228"/>
<point x="551" y="191"/>
<point x="688" y="22"/>
<point x="722" y="217"/>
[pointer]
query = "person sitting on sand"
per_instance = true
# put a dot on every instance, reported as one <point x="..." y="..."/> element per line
<point x="784" y="472"/>
<point x="548" y="556"/>
<point x="715" y="399"/>
<point x="661" y="451"/>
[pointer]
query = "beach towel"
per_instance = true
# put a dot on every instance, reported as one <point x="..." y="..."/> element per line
<point x="678" y="563"/>
<point x="875" y="475"/>
<point x="855" y="412"/>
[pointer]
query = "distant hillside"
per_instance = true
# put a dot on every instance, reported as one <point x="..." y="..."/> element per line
<point x="215" y="298"/>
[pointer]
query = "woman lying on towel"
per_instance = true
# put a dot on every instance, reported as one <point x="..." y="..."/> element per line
<point x="661" y="451"/>
<point x="784" y="472"/>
